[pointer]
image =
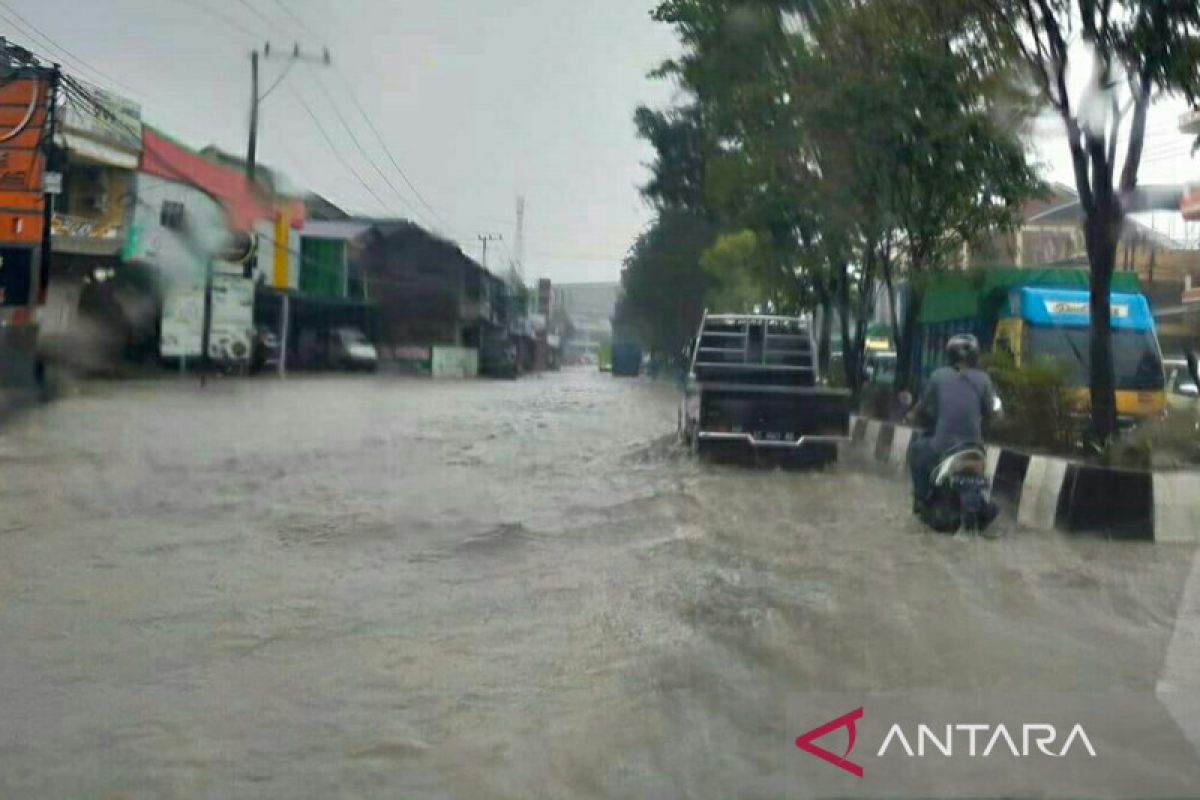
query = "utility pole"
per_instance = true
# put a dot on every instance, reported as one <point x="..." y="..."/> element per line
<point x="51" y="161"/>
<point x="252" y="147"/>
<point x="292" y="58"/>
<point x="485" y="238"/>
<point x="206" y="324"/>
<point x="519" y="256"/>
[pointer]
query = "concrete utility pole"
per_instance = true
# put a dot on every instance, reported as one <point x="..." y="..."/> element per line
<point x="252" y="147"/>
<point x="485" y="238"/>
<point x="51" y="162"/>
<point x="292" y="59"/>
<point x="519" y="256"/>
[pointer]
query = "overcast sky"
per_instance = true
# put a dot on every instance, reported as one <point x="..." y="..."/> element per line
<point x="479" y="100"/>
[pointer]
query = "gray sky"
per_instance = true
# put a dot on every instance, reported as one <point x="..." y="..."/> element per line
<point x="479" y="100"/>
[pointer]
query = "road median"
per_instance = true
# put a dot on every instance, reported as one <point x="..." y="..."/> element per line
<point x="1049" y="493"/>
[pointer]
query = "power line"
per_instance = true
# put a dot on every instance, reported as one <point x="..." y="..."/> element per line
<point x="231" y="21"/>
<point x="383" y="144"/>
<point x="366" y="118"/>
<point x="80" y="94"/>
<point x="337" y="153"/>
<point x="66" y="54"/>
<point x="357" y="144"/>
<point x="257" y="13"/>
<point x="226" y="18"/>
<point x="298" y="19"/>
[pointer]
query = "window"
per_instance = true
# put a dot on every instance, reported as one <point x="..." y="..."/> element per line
<point x="1136" y="363"/>
<point x="171" y="215"/>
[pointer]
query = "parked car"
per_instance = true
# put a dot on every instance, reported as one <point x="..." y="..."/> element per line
<point x="350" y="349"/>
<point x="1182" y="392"/>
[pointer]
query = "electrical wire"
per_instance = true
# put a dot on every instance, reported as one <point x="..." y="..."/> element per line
<point x="337" y="153"/>
<point x="316" y="121"/>
<point x="279" y="80"/>
<point x="226" y="18"/>
<point x="383" y="144"/>
<point x="77" y="91"/>
<point x="362" y="150"/>
<point x="370" y="123"/>
<point x="80" y="94"/>
<point x="66" y="54"/>
<point x="246" y="4"/>
<point x="298" y="19"/>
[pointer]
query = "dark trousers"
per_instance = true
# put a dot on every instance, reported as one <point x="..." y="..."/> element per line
<point x="922" y="459"/>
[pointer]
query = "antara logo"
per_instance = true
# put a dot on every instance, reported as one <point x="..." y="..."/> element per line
<point x="980" y="740"/>
<point x="997" y="738"/>
<point x="805" y="741"/>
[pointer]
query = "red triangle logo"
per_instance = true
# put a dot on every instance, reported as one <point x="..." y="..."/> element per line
<point x="805" y="741"/>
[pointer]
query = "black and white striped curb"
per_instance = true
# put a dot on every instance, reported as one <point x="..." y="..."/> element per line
<point x="1046" y="493"/>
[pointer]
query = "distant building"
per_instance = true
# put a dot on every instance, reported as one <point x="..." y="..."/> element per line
<point x="588" y="308"/>
<point x="427" y="290"/>
<point x="321" y="208"/>
<point x="1051" y="232"/>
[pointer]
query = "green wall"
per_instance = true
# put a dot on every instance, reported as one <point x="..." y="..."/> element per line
<point x="323" y="267"/>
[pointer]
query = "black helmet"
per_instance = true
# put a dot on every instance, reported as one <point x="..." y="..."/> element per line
<point x="962" y="350"/>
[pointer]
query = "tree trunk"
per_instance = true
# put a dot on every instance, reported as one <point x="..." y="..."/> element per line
<point x="862" y="315"/>
<point x="904" y="345"/>
<point x="1102" y="255"/>
<point x="891" y="295"/>
<point x="850" y="367"/>
<point x="825" y="331"/>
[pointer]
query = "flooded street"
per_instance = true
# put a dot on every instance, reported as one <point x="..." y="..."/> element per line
<point x="349" y="587"/>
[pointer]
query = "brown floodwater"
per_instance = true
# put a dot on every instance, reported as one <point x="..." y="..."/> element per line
<point x="352" y="587"/>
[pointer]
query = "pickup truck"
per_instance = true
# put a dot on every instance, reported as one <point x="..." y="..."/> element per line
<point x="753" y="387"/>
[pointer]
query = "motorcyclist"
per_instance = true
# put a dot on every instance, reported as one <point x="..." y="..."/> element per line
<point x="953" y="406"/>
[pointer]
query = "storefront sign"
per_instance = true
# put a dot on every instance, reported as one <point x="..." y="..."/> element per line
<point x="22" y="115"/>
<point x="1061" y="307"/>
<point x="232" y="327"/>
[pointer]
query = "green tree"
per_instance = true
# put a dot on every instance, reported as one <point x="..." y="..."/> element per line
<point x="908" y="95"/>
<point x="735" y="265"/>
<point x="663" y="285"/>
<point x="1137" y="50"/>
<point x="856" y="139"/>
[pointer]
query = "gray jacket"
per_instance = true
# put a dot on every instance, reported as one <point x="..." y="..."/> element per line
<point x="956" y="402"/>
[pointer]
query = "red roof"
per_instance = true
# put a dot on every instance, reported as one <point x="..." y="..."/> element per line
<point x="1189" y="203"/>
<point x="242" y="202"/>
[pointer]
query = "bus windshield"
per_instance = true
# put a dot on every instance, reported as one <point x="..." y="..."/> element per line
<point x="1136" y="360"/>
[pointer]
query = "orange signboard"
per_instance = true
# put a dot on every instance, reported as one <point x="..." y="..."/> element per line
<point x="23" y="107"/>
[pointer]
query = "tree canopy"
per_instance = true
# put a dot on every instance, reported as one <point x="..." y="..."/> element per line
<point x="1135" y="50"/>
<point x="830" y="144"/>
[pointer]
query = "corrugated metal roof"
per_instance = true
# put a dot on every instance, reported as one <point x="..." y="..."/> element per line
<point x="335" y="229"/>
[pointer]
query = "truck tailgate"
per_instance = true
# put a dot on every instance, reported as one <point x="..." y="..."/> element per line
<point x="773" y="416"/>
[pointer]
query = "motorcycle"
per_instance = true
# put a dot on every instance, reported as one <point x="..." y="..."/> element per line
<point x="961" y="495"/>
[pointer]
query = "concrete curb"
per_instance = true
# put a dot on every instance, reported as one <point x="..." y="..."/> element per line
<point x="1045" y="493"/>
